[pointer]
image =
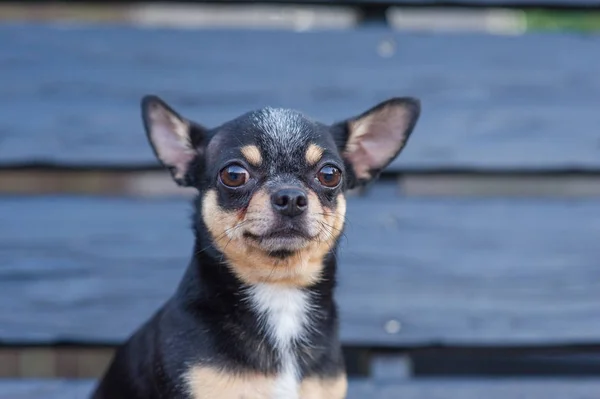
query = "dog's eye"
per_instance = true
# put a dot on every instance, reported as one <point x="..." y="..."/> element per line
<point x="234" y="176"/>
<point x="329" y="176"/>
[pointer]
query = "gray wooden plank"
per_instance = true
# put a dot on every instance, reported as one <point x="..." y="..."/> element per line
<point x="460" y="363"/>
<point x="45" y="389"/>
<point x="477" y="389"/>
<point x="504" y="3"/>
<point x="70" y="94"/>
<point x="413" y="272"/>
<point x="499" y="3"/>
<point x="359" y="389"/>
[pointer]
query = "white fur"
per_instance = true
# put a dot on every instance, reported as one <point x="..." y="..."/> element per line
<point x="284" y="314"/>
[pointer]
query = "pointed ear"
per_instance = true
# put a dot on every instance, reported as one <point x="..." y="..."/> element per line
<point x="176" y="141"/>
<point x="370" y="142"/>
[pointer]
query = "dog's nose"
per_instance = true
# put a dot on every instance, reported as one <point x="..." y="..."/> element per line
<point x="289" y="201"/>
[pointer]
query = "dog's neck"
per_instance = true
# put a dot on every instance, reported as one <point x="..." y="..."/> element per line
<point x="209" y="277"/>
<point x="210" y="273"/>
<point x="299" y="323"/>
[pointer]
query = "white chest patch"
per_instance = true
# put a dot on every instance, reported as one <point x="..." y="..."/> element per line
<point x="284" y="312"/>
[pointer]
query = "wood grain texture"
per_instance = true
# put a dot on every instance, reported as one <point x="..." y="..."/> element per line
<point x="505" y="3"/>
<point x="572" y="3"/>
<point x="360" y="389"/>
<point x="491" y="102"/>
<point x="413" y="272"/>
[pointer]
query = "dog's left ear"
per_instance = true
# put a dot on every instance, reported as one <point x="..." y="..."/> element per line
<point x="176" y="141"/>
<point x="370" y="141"/>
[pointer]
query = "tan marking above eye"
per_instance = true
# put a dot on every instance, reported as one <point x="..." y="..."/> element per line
<point x="313" y="154"/>
<point x="252" y="155"/>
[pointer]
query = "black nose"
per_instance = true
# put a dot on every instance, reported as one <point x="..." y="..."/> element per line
<point x="289" y="201"/>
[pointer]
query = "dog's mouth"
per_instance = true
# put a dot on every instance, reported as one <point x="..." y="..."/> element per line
<point x="280" y="242"/>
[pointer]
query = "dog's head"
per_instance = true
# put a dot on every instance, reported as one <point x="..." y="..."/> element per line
<point x="272" y="181"/>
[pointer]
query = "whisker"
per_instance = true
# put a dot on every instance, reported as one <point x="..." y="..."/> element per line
<point x="275" y="264"/>
<point x="343" y="217"/>
<point x="225" y="248"/>
<point x="330" y="238"/>
<point x="328" y="229"/>
<point x="332" y="228"/>
<point x="227" y="231"/>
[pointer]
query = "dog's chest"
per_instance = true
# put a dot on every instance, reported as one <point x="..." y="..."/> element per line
<point x="284" y="316"/>
<point x="283" y="313"/>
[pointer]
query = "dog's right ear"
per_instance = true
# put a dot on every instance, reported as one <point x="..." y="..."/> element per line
<point x="176" y="141"/>
<point x="370" y="141"/>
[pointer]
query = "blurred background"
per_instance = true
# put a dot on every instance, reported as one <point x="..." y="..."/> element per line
<point x="470" y="270"/>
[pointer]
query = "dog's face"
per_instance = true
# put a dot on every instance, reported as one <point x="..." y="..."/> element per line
<point x="272" y="181"/>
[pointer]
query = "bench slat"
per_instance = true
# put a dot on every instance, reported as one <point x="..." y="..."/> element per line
<point x="501" y="3"/>
<point x="505" y="3"/>
<point x="413" y="272"/>
<point x="490" y="102"/>
<point x="358" y="389"/>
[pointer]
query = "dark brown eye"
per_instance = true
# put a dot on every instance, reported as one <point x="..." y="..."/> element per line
<point x="234" y="176"/>
<point x="329" y="176"/>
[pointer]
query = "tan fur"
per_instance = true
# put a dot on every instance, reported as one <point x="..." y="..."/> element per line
<point x="252" y="264"/>
<point x="364" y="150"/>
<point x="252" y="155"/>
<point x="208" y="383"/>
<point x="313" y="154"/>
<point x="326" y="388"/>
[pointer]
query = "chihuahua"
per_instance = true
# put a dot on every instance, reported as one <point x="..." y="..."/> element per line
<point x="254" y="316"/>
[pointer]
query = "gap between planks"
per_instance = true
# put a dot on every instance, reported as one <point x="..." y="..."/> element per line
<point x="157" y="183"/>
<point x="291" y="16"/>
<point x="496" y="19"/>
<point x="381" y="366"/>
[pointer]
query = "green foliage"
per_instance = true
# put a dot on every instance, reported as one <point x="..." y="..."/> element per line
<point x="581" y="21"/>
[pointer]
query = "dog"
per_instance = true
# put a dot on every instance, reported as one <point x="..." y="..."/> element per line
<point x="254" y="316"/>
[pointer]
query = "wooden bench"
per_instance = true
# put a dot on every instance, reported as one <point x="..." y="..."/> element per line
<point x="489" y="102"/>
<point x="463" y="3"/>
<point x="463" y="288"/>
<point x="449" y="272"/>
<point x="572" y="389"/>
